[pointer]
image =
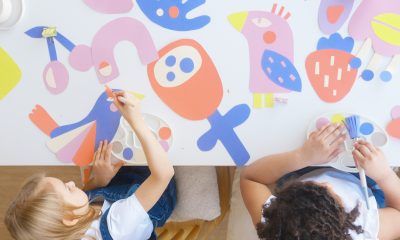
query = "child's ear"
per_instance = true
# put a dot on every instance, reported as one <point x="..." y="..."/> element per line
<point x="70" y="222"/>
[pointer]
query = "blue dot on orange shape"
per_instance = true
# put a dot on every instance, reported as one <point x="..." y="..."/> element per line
<point x="128" y="153"/>
<point x="366" y="128"/>
<point x="367" y="75"/>
<point x="171" y="76"/>
<point x="187" y="65"/>
<point x="170" y="61"/>
<point x="173" y="12"/>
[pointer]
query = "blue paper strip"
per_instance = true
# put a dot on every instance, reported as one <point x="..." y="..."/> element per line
<point x="52" y="49"/>
<point x="65" y="42"/>
<point x="35" y="32"/>
<point x="222" y="129"/>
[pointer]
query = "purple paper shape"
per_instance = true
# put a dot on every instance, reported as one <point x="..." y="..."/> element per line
<point x="329" y="19"/>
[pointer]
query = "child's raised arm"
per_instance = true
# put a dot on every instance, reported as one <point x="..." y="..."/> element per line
<point x="376" y="167"/>
<point x="160" y="167"/>
<point x="321" y="146"/>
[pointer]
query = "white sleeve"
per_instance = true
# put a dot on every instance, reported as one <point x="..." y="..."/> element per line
<point x="128" y="220"/>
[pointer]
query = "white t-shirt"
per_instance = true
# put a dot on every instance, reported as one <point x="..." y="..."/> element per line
<point x="347" y="187"/>
<point x="126" y="220"/>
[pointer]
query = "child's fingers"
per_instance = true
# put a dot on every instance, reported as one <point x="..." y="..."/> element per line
<point x="118" y="165"/>
<point x="370" y="146"/>
<point x="104" y="150"/>
<point x="334" y="134"/>
<point x="108" y="153"/>
<point x="358" y="156"/>
<point x="323" y="129"/>
<point x="338" y="141"/>
<point x="363" y="150"/>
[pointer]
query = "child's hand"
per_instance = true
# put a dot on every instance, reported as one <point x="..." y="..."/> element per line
<point x="372" y="160"/>
<point x="128" y="105"/>
<point x="323" y="145"/>
<point x="103" y="170"/>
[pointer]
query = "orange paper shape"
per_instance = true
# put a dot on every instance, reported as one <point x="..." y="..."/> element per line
<point x="330" y="74"/>
<point x="42" y="120"/>
<point x="84" y="155"/>
<point x="193" y="95"/>
<point x="393" y="128"/>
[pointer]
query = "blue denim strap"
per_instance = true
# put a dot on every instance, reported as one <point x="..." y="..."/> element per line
<point x="105" y="234"/>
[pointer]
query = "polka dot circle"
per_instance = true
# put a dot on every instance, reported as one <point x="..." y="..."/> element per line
<point x="186" y="65"/>
<point x="165" y="133"/>
<point x="160" y="12"/>
<point x="366" y="128"/>
<point x="269" y="37"/>
<point x="170" y="61"/>
<point x="321" y="122"/>
<point x="337" y="118"/>
<point x="171" y="76"/>
<point x="379" y="139"/>
<point x="395" y="112"/>
<point x="355" y="63"/>
<point x="173" y="12"/>
<point x="164" y="145"/>
<point x="367" y="75"/>
<point x="385" y="76"/>
<point x="128" y="153"/>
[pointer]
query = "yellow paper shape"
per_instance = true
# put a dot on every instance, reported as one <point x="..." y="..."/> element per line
<point x="387" y="27"/>
<point x="257" y="100"/>
<point x="337" y="118"/>
<point x="269" y="100"/>
<point x="10" y="74"/>
<point x="49" y="32"/>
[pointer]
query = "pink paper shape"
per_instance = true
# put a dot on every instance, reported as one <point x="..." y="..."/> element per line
<point x="395" y="112"/>
<point x="116" y="31"/>
<point x="55" y="77"/>
<point x="81" y="58"/>
<point x="66" y="154"/>
<point x="110" y="6"/>
<point x="360" y="27"/>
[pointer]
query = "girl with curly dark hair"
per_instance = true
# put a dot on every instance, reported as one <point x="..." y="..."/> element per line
<point x="321" y="202"/>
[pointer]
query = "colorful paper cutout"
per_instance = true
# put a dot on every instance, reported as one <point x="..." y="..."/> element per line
<point x="332" y="14"/>
<point x="10" y="74"/>
<point x="393" y="128"/>
<point x="332" y="69"/>
<point x="110" y="6"/>
<point x="378" y="24"/>
<point x="266" y="32"/>
<point x="172" y="14"/>
<point x="186" y="80"/>
<point x="369" y="131"/>
<point x="100" y="55"/>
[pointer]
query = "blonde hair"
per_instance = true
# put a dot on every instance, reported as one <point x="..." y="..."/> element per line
<point x="38" y="213"/>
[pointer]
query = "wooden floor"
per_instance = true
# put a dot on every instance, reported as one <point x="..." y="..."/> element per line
<point x="11" y="179"/>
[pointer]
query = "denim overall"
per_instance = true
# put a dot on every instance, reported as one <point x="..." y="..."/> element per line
<point x="123" y="185"/>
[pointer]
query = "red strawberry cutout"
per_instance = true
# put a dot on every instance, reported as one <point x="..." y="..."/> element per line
<point x="332" y="69"/>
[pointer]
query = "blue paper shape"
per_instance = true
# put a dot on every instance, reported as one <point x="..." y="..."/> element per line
<point x="335" y="41"/>
<point x="52" y="49"/>
<point x="158" y="12"/>
<point x="64" y="41"/>
<point x="107" y="121"/>
<point x="366" y="128"/>
<point x="35" y="32"/>
<point x="222" y="129"/>
<point x="281" y="70"/>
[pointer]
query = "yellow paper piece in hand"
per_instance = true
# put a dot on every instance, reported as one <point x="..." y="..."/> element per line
<point x="257" y="100"/>
<point x="49" y="32"/>
<point x="137" y="95"/>
<point x="337" y="118"/>
<point x="10" y="74"/>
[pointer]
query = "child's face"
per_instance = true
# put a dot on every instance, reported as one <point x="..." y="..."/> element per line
<point x="72" y="195"/>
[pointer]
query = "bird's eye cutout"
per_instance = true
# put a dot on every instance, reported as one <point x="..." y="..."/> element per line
<point x="177" y="66"/>
<point x="261" y="22"/>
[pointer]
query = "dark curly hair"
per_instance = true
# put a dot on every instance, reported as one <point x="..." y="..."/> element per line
<point x="306" y="211"/>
